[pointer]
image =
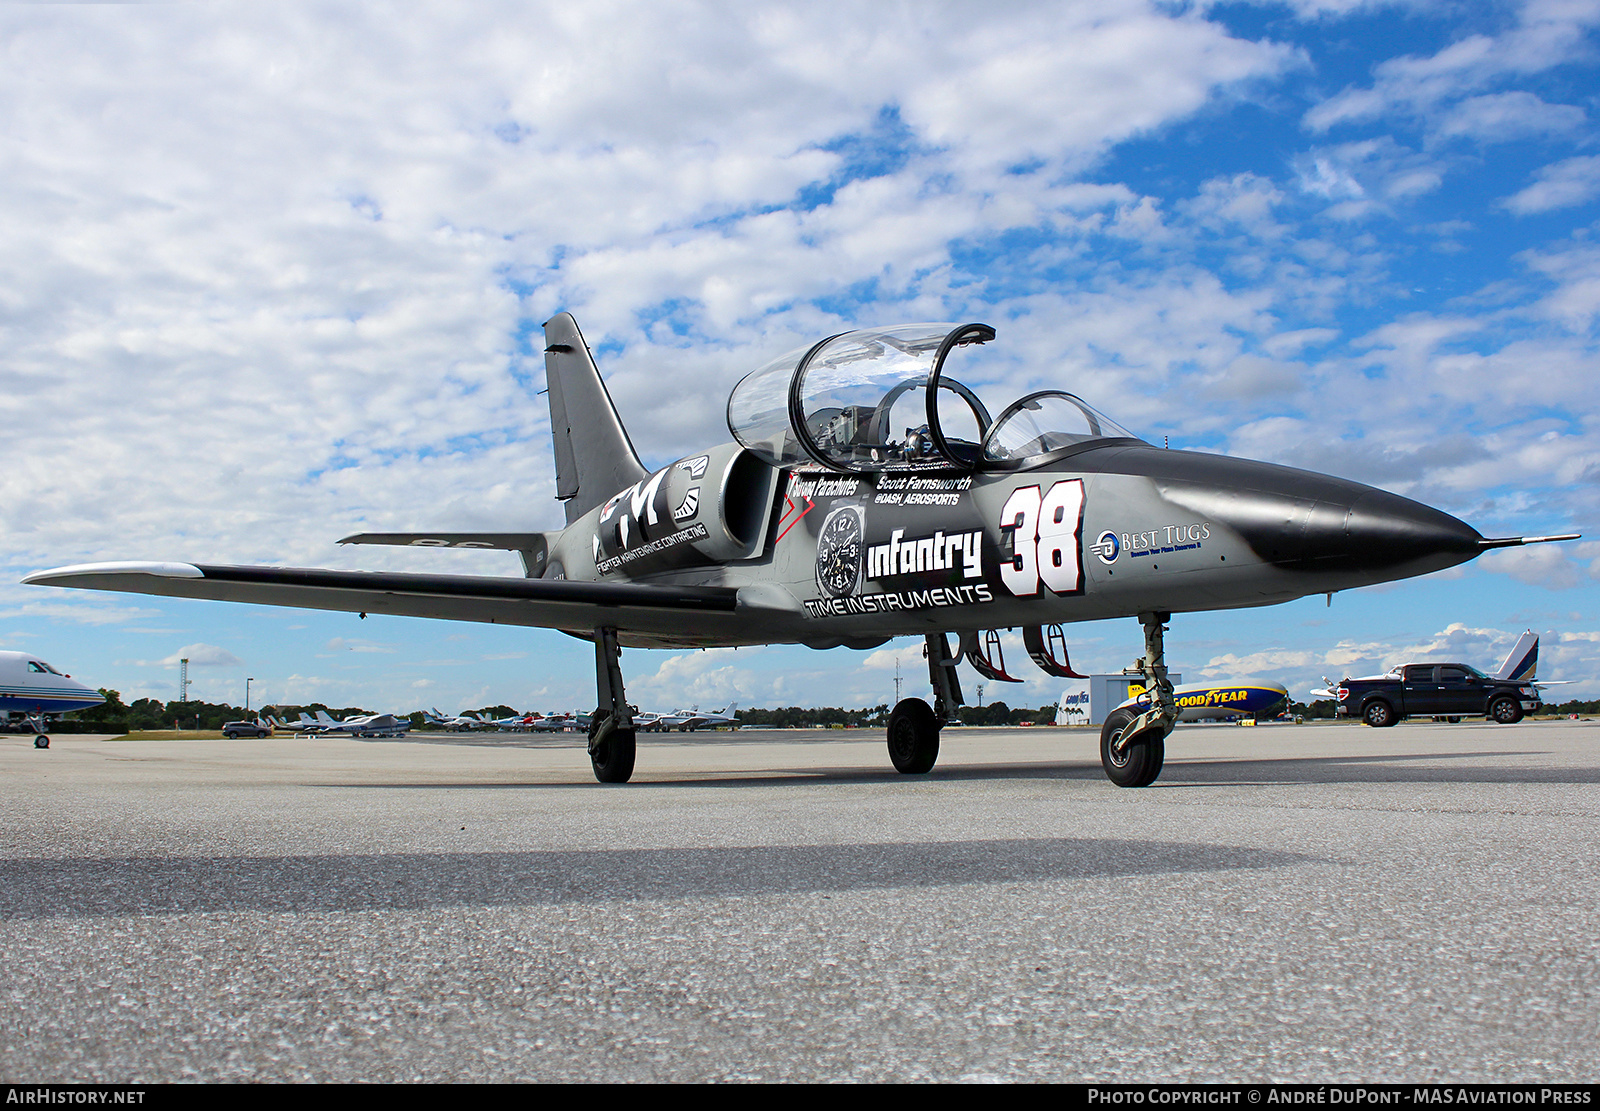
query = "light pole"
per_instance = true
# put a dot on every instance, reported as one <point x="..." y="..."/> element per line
<point x="247" y="683"/>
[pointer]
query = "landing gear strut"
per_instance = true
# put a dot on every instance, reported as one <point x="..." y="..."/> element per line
<point x="1133" y="745"/>
<point x="913" y="727"/>
<point x="612" y="738"/>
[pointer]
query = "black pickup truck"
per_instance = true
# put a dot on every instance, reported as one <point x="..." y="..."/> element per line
<point x="1449" y="691"/>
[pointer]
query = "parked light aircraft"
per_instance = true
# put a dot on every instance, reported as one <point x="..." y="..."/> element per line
<point x="687" y="721"/>
<point x="461" y="723"/>
<point x="868" y="495"/>
<point x="33" y="692"/>
<point x="367" y="725"/>
<point x="303" y="724"/>
<point x="557" y="723"/>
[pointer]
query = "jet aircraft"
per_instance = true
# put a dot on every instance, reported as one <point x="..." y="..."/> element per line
<point x="34" y="692"/>
<point x="868" y="494"/>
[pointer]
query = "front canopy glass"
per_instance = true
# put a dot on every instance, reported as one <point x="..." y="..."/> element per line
<point x="877" y="400"/>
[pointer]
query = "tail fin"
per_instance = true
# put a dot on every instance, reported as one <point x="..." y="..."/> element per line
<point x="594" y="457"/>
<point x="1523" y="660"/>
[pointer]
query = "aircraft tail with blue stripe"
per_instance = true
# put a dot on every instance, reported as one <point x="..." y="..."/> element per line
<point x="1523" y="659"/>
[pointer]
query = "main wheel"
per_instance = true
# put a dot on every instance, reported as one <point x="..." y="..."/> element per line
<point x="1378" y="714"/>
<point x="913" y="737"/>
<point x="1140" y="760"/>
<point x="613" y="758"/>
<point x="1505" y="711"/>
<point x="41" y="741"/>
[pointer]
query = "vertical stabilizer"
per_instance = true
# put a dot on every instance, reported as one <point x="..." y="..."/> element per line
<point x="1523" y="660"/>
<point x="594" y="457"/>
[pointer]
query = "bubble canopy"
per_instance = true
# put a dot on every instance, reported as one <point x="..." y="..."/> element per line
<point x="878" y="400"/>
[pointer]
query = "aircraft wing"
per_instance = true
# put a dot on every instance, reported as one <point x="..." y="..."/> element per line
<point x="687" y="612"/>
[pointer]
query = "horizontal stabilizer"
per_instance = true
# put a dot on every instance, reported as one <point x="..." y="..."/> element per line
<point x="493" y="541"/>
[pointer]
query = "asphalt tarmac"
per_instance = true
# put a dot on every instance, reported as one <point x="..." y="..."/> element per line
<point x="1287" y="903"/>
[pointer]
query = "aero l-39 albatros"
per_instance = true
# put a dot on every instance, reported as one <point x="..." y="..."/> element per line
<point x="868" y="495"/>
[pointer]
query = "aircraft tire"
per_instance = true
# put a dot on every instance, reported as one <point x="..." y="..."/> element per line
<point x="1142" y="757"/>
<point x="613" y="760"/>
<point x="1505" y="711"/>
<point x="41" y="741"/>
<point x="913" y="737"/>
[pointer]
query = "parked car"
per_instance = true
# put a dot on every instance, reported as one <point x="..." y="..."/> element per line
<point x="235" y="729"/>
<point x="1447" y="691"/>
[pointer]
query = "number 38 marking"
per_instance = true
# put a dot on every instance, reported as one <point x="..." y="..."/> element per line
<point x="1046" y="539"/>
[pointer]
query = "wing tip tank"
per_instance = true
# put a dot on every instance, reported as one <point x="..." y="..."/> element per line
<point x="63" y="576"/>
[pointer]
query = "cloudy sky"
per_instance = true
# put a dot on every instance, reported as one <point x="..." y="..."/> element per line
<point x="274" y="273"/>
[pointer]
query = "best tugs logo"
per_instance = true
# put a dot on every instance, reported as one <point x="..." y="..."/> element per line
<point x="1106" y="547"/>
<point x="1157" y="541"/>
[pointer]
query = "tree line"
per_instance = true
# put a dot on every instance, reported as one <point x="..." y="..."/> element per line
<point x="113" y="716"/>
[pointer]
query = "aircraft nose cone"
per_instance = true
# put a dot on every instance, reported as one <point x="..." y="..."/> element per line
<point x="1384" y="530"/>
<point x="1338" y="526"/>
<point x="1302" y="521"/>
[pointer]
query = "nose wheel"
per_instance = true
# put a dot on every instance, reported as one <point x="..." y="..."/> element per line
<point x="1133" y="744"/>
<point x="41" y="741"/>
<point x="1131" y="761"/>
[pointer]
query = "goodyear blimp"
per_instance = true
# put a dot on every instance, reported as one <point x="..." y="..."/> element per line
<point x="1209" y="702"/>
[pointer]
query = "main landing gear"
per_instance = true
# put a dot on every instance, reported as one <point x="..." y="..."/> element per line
<point x="1133" y="745"/>
<point x="612" y="736"/>
<point x="913" y="725"/>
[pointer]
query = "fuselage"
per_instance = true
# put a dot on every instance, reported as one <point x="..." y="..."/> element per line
<point x="1115" y="529"/>
<point x="28" y="685"/>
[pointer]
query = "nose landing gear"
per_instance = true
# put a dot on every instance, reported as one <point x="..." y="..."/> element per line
<point x="1133" y="745"/>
